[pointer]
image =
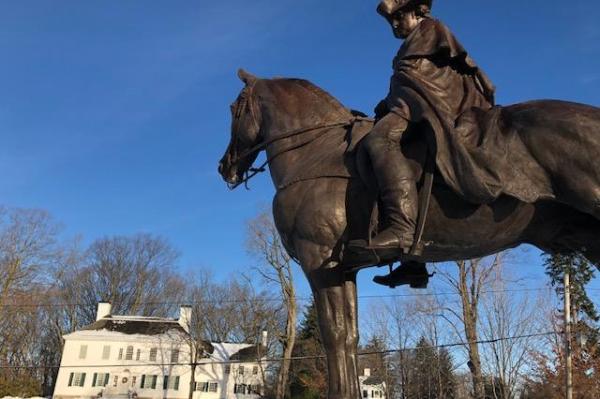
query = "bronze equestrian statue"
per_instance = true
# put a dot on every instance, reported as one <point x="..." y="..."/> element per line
<point x="502" y="176"/>
<point x="434" y="78"/>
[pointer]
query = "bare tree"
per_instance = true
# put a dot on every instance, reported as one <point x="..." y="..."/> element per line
<point x="28" y="246"/>
<point x="276" y="267"/>
<point x="469" y="281"/>
<point x="29" y="250"/>
<point x="136" y="274"/>
<point x="503" y="315"/>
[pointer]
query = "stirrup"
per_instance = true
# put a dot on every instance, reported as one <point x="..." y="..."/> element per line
<point x="416" y="281"/>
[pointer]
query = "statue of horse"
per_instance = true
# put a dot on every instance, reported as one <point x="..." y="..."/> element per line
<point x="321" y="204"/>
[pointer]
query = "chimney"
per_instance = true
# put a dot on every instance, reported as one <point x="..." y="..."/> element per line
<point x="185" y="317"/>
<point x="367" y="372"/>
<point x="264" y="340"/>
<point x="104" y="309"/>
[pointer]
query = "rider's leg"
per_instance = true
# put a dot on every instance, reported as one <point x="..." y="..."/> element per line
<point x="396" y="184"/>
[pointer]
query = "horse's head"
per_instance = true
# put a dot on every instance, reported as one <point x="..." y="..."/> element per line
<point x="245" y="133"/>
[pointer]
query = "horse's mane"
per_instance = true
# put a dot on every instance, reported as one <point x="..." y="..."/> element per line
<point x="290" y="85"/>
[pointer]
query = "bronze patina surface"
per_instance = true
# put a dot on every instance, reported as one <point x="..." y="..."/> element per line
<point x="503" y="176"/>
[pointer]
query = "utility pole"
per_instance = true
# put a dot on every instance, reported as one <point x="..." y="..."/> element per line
<point x="568" y="354"/>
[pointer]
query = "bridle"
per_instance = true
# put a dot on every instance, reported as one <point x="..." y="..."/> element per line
<point x="251" y="172"/>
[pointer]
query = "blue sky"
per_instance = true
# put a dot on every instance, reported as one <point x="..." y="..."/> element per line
<point x="115" y="113"/>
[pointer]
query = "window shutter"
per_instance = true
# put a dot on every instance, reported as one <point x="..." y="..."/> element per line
<point x="71" y="379"/>
<point x="105" y="379"/>
<point x="176" y="383"/>
<point x="94" y="379"/>
<point x="143" y="380"/>
<point x="82" y="380"/>
<point x="154" y="382"/>
<point x="166" y="382"/>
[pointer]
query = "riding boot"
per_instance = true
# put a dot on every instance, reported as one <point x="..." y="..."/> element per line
<point x="413" y="273"/>
<point x="398" y="201"/>
<point x="397" y="189"/>
<point x="398" y="198"/>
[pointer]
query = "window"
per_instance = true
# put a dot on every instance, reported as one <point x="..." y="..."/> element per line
<point x="77" y="379"/>
<point x="133" y="379"/>
<point x="365" y="393"/>
<point x="82" y="351"/>
<point x="171" y="382"/>
<point x="115" y="381"/>
<point x="212" y="386"/>
<point x="228" y="369"/>
<point x="120" y="353"/>
<point x="137" y="354"/>
<point x="100" y="380"/>
<point x="239" y="388"/>
<point x="241" y="370"/>
<point x="202" y="386"/>
<point x="175" y="356"/>
<point x="255" y="370"/>
<point x="153" y="354"/>
<point x="148" y="381"/>
<point x="129" y="353"/>
<point x="106" y="352"/>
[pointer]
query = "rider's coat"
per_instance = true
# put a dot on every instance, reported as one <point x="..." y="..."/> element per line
<point x="435" y="81"/>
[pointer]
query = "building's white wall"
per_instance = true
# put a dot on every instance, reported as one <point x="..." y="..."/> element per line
<point x="134" y="369"/>
<point x="215" y="372"/>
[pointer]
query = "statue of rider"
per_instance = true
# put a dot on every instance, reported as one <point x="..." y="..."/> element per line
<point x="432" y="75"/>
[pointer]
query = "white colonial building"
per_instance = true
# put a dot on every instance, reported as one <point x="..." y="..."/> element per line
<point x="371" y="386"/>
<point x="149" y="357"/>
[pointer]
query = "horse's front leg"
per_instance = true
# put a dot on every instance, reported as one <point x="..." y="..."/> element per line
<point x="352" y="335"/>
<point x="335" y="300"/>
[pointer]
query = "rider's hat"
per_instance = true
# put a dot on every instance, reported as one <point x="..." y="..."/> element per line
<point x="387" y="8"/>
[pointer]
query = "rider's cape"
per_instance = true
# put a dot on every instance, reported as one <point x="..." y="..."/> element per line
<point x="436" y="84"/>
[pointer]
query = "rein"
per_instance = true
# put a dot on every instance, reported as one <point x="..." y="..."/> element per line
<point x="262" y="146"/>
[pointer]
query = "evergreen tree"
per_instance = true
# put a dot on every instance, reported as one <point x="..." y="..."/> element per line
<point x="581" y="273"/>
<point x="309" y="328"/>
<point x="446" y="378"/>
<point x="549" y="369"/>
<point x="308" y="377"/>
<point x="432" y="375"/>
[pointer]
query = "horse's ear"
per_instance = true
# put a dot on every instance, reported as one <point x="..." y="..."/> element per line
<point x="246" y="77"/>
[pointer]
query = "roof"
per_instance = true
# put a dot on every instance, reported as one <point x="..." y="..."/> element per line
<point x="373" y="380"/>
<point x="136" y="325"/>
<point x="227" y="351"/>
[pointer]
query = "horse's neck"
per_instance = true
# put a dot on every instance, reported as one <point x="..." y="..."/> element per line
<point x="282" y="115"/>
<point x="282" y="154"/>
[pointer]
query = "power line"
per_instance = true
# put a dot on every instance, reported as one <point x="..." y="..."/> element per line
<point x="293" y="358"/>
<point x="305" y="298"/>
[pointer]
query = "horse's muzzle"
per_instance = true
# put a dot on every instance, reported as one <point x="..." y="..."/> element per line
<point x="227" y="172"/>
